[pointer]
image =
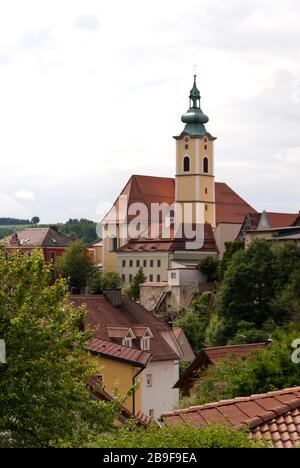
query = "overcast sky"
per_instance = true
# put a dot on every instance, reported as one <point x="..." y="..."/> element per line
<point x="92" y="92"/>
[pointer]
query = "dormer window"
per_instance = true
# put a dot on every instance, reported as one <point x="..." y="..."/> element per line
<point x="127" y="341"/>
<point x="145" y="340"/>
<point x="145" y="343"/>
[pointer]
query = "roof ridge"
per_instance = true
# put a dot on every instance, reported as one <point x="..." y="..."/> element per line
<point x="235" y="346"/>
<point x="236" y="400"/>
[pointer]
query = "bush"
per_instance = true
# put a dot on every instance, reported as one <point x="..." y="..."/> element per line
<point x="212" y="436"/>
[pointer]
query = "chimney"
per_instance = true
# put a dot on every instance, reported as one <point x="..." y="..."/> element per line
<point x="114" y="296"/>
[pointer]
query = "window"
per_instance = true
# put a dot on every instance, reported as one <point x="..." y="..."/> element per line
<point x="127" y="342"/>
<point x="151" y="263"/>
<point x="123" y="278"/>
<point x="131" y="263"/>
<point x="173" y="275"/>
<point x="186" y="147"/>
<point x="52" y="256"/>
<point x="145" y="343"/>
<point x="151" y="413"/>
<point x="113" y="244"/>
<point x="145" y="263"/>
<point x="149" y="380"/>
<point x="158" y="278"/>
<point x="123" y="263"/>
<point x="206" y="191"/>
<point x="206" y="208"/>
<point x="137" y="263"/>
<point x="186" y="164"/>
<point x="130" y="278"/>
<point x="205" y="165"/>
<point x="158" y="263"/>
<point x="151" y="278"/>
<point x="205" y="147"/>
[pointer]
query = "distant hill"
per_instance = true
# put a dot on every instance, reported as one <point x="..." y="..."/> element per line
<point x="13" y="222"/>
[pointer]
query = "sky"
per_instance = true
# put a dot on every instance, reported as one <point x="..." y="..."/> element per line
<point x="92" y="92"/>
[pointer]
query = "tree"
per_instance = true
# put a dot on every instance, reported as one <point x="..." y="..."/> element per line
<point x="44" y="401"/>
<point x="133" y="290"/>
<point x="230" y="249"/>
<point x="194" y="322"/>
<point x="248" y="287"/>
<point x="209" y="267"/>
<point x="111" y="280"/>
<point x="211" y="436"/>
<point x="263" y="371"/>
<point x="35" y="220"/>
<point x="76" y="265"/>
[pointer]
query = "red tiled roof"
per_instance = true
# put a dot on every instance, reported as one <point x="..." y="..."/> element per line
<point x="177" y="331"/>
<point x="170" y="245"/>
<point x="39" y="237"/>
<point x="136" y="357"/>
<point x="101" y="316"/>
<point x="279" y="220"/>
<point x="274" y="416"/>
<point x="210" y="356"/>
<point x="230" y="207"/>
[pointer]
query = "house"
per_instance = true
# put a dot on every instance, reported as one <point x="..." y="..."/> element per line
<point x="156" y="256"/>
<point x="99" y="393"/>
<point x="273" y="416"/>
<point x="187" y="352"/>
<point x="267" y="221"/>
<point x="52" y="242"/>
<point x="119" y="365"/>
<point x="210" y="356"/>
<point x="125" y="334"/>
<point x="192" y="198"/>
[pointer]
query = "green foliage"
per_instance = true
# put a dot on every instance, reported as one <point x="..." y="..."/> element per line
<point x="35" y="220"/>
<point x="265" y="370"/>
<point x="44" y="401"/>
<point x="82" y="229"/>
<point x="258" y="290"/>
<point x="133" y="291"/>
<point x="211" y="436"/>
<point x="194" y="322"/>
<point x="230" y="249"/>
<point x="209" y="267"/>
<point x="111" y="280"/>
<point x="76" y="265"/>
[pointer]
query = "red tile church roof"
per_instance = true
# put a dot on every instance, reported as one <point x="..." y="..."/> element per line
<point x="230" y="207"/>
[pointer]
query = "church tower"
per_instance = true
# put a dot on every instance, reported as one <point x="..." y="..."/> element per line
<point x="195" y="181"/>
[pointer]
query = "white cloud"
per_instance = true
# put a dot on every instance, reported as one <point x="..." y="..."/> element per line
<point x="81" y="112"/>
<point x="25" y="195"/>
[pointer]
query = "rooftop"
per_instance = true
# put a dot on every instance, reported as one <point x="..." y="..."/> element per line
<point x="102" y="317"/>
<point x="273" y="416"/>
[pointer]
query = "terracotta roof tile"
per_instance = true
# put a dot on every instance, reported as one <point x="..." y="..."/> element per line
<point x="102" y="316"/>
<point x="230" y="207"/>
<point x="137" y="357"/>
<point x="265" y="415"/>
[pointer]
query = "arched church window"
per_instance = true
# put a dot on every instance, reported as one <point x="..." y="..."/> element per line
<point x="205" y="165"/>
<point x="186" y="164"/>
